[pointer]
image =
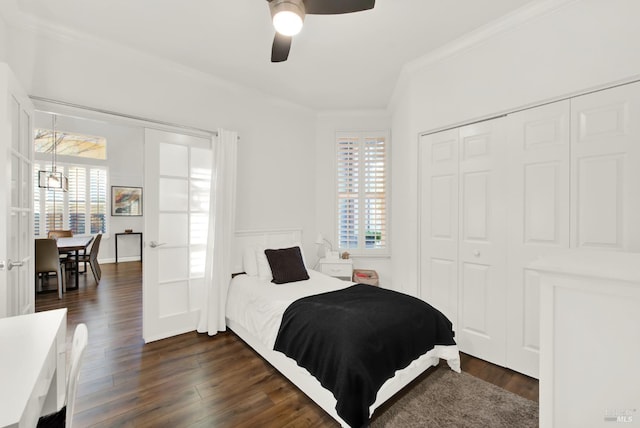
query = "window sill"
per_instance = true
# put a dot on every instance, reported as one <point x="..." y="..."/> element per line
<point x="367" y="256"/>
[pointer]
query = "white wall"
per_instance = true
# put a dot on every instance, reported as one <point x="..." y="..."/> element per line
<point x="3" y="40"/>
<point x="325" y="184"/>
<point x="277" y="139"/>
<point x="582" y="45"/>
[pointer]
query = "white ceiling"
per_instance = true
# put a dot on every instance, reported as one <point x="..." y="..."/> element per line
<point x="337" y="62"/>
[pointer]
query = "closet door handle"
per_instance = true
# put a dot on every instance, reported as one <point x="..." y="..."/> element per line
<point x="11" y="265"/>
<point x="476" y="253"/>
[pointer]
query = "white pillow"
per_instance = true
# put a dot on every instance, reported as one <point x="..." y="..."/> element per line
<point x="249" y="262"/>
<point x="264" y="270"/>
<point x="304" y="260"/>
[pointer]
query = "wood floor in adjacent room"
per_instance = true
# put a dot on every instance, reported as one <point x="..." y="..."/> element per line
<point x="191" y="380"/>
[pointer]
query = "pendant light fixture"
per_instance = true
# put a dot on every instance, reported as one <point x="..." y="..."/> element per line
<point x="53" y="179"/>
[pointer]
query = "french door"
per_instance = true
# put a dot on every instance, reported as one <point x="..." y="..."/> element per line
<point x="17" y="293"/>
<point x="176" y="202"/>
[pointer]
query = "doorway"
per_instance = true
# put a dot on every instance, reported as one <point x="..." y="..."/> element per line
<point x="126" y="165"/>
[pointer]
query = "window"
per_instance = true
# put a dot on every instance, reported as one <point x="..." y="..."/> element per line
<point x="362" y="192"/>
<point x="83" y="209"/>
<point x="71" y="144"/>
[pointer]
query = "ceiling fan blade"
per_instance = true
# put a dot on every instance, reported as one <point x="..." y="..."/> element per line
<point x="281" y="47"/>
<point x="335" y="7"/>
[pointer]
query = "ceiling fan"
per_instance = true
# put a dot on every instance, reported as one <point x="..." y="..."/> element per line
<point x="288" y="16"/>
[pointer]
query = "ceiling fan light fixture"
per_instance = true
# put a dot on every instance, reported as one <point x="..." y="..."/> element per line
<point x="288" y="16"/>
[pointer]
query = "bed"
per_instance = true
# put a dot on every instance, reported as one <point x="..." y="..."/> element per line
<point x="256" y="308"/>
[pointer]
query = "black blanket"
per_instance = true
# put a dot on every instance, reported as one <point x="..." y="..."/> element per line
<point x="353" y="340"/>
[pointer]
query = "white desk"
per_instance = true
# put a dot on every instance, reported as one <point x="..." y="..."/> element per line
<point x="32" y="366"/>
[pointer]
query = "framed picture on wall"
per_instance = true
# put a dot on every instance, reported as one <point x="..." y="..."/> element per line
<point x="126" y="201"/>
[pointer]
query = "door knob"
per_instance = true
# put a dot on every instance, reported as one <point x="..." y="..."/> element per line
<point x="2" y="264"/>
<point x="154" y="244"/>
<point x="476" y="253"/>
<point x="11" y="265"/>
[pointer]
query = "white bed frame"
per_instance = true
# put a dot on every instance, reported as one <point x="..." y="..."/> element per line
<point x="289" y="368"/>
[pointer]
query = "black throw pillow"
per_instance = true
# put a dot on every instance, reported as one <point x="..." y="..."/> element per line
<point x="286" y="265"/>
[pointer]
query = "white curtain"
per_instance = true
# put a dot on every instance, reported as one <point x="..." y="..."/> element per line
<point x="221" y="232"/>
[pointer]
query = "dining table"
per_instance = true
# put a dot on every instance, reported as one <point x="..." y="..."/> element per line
<point x="74" y="244"/>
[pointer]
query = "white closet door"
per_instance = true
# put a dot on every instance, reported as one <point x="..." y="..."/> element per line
<point x="439" y="222"/>
<point x="538" y="204"/>
<point x="482" y="253"/>
<point x="605" y="164"/>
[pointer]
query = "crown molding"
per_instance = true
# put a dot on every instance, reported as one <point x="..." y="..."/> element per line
<point x="353" y="113"/>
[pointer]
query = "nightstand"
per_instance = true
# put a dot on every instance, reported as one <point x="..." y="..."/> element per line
<point x="340" y="268"/>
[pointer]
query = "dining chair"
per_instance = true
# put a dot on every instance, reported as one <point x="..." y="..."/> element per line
<point x="61" y="233"/>
<point x="47" y="261"/>
<point x="91" y="258"/>
<point x="64" y="416"/>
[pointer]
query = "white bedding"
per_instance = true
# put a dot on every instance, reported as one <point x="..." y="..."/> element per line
<point x="258" y="304"/>
<point x="255" y="307"/>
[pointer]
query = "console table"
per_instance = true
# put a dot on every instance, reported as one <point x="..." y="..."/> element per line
<point x="127" y="234"/>
<point x="32" y="366"/>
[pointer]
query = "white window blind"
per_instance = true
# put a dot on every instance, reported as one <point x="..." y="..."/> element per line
<point x="37" y="208"/>
<point x="83" y="209"/>
<point x="362" y="191"/>
<point x="53" y="209"/>
<point x="98" y="198"/>
<point x="77" y="199"/>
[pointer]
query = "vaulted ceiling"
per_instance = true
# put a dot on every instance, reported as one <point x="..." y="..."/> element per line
<point x="337" y="62"/>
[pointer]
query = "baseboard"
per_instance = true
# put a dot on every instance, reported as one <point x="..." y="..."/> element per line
<point x="120" y="259"/>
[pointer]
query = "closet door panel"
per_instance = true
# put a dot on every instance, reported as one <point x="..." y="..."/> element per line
<point x="482" y="241"/>
<point x="538" y="204"/>
<point x="439" y="221"/>
<point x="605" y="151"/>
<point x="476" y="202"/>
<point x="542" y="203"/>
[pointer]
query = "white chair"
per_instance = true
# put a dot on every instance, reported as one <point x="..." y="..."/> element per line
<point x="64" y="416"/>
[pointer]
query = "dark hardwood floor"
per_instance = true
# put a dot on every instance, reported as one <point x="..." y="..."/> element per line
<point x="189" y="380"/>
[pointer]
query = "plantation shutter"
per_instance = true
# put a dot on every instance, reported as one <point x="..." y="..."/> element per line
<point x="98" y="198"/>
<point x="77" y="199"/>
<point x="362" y="191"/>
<point x="37" y="209"/>
<point x="375" y="192"/>
<point x="348" y="192"/>
<point x="54" y="209"/>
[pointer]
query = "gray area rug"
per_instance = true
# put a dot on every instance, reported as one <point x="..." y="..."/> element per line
<point x="448" y="399"/>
